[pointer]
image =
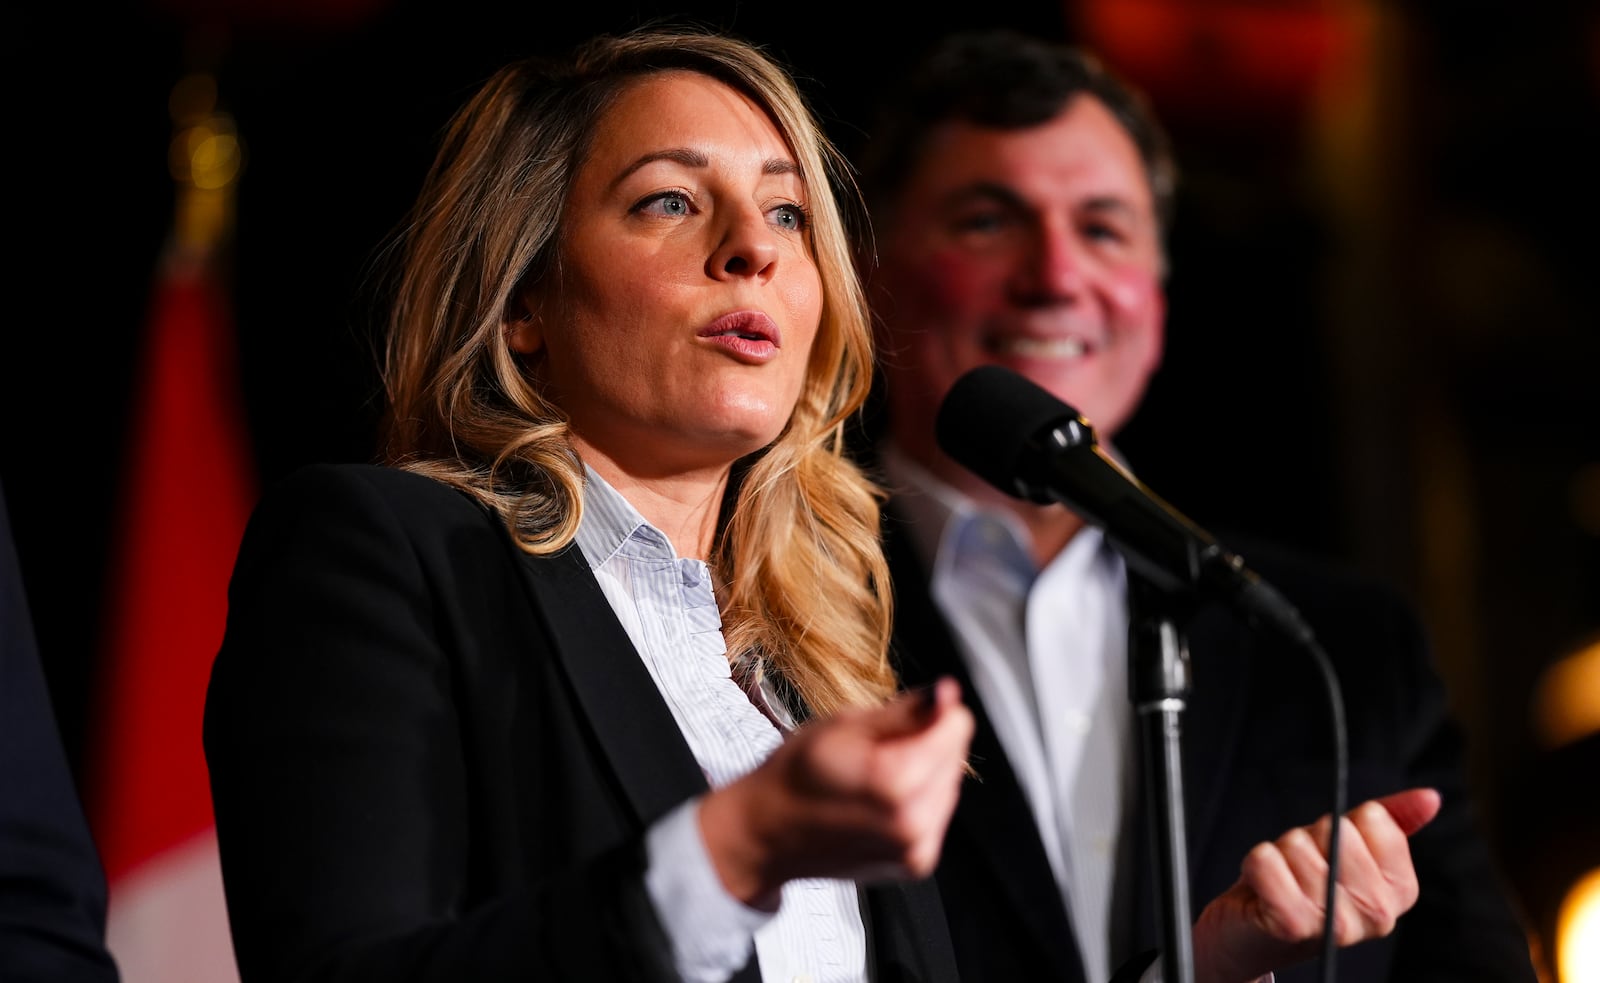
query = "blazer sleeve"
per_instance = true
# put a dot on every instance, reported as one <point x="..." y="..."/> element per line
<point x="1465" y="925"/>
<point x="1401" y="733"/>
<point x="348" y="804"/>
<point x="52" y="886"/>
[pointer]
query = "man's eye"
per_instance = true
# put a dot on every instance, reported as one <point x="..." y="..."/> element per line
<point x="981" y="222"/>
<point x="1103" y="233"/>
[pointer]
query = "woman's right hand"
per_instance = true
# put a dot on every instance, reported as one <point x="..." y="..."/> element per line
<point x="865" y="795"/>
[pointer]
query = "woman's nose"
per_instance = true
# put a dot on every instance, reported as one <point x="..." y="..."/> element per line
<point x="748" y="248"/>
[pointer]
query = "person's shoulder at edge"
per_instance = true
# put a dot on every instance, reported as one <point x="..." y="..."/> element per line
<point x="1313" y="578"/>
<point x="328" y="502"/>
<point x="307" y="483"/>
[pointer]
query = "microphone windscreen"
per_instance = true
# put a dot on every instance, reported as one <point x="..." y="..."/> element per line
<point x="989" y="418"/>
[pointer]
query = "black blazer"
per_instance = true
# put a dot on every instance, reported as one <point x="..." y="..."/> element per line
<point x="52" y="886"/>
<point x="1257" y="760"/>
<point x="434" y="757"/>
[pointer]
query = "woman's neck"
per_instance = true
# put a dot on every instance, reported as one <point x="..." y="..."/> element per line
<point x="684" y="505"/>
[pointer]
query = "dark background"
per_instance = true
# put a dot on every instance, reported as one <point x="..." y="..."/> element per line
<point x="1382" y="341"/>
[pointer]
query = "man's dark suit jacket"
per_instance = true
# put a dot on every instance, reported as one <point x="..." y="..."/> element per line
<point x="52" y="886"/>
<point x="1257" y="760"/>
<point x="434" y="757"/>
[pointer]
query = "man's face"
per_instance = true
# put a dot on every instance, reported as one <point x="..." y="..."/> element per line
<point x="1037" y="249"/>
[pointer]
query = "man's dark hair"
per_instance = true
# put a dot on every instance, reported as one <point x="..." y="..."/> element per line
<point x="1003" y="79"/>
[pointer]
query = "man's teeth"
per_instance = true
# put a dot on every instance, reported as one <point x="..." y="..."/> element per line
<point x="1040" y="347"/>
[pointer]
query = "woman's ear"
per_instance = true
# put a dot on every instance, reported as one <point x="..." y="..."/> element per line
<point x="523" y="328"/>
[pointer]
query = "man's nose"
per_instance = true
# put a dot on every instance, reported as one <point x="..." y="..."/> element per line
<point x="1054" y="269"/>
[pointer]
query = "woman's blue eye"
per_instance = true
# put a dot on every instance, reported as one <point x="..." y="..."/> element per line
<point x="790" y="216"/>
<point x="669" y="203"/>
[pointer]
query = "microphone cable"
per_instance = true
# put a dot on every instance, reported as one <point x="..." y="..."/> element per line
<point x="1307" y="640"/>
<point x="1341" y="769"/>
<point x="1301" y="634"/>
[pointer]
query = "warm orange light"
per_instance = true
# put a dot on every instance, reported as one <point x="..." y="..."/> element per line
<point x="1578" y="932"/>
<point x="1566" y="702"/>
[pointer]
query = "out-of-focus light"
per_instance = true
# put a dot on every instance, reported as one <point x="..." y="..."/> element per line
<point x="1578" y="932"/>
<point x="214" y="156"/>
<point x="1240" y="59"/>
<point x="1586" y="496"/>
<point x="1566" y="701"/>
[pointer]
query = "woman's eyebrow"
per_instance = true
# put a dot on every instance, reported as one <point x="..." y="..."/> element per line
<point x="689" y="157"/>
<point x="678" y="155"/>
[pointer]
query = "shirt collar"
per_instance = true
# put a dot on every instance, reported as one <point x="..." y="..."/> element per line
<point x="610" y="522"/>
<point x="937" y="512"/>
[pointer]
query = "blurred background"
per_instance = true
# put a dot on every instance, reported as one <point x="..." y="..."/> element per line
<point x="1383" y="340"/>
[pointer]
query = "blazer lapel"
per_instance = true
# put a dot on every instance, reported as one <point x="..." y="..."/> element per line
<point x="655" y="768"/>
<point x="654" y="765"/>
<point x="993" y="815"/>
<point x="1221" y="653"/>
<point x="907" y="939"/>
<point x="658" y="771"/>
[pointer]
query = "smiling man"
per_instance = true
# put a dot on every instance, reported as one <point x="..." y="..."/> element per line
<point x="1019" y="196"/>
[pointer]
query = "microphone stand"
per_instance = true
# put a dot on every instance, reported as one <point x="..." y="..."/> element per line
<point x="1158" y="684"/>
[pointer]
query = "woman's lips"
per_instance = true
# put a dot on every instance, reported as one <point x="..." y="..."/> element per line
<point x="750" y="336"/>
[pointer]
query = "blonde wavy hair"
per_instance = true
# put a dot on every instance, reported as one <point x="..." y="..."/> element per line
<point x="802" y="582"/>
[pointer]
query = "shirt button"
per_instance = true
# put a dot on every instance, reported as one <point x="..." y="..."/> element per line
<point x="802" y="978"/>
<point x="1077" y="721"/>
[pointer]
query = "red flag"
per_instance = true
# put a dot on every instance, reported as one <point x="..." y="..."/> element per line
<point x="186" y="493"/>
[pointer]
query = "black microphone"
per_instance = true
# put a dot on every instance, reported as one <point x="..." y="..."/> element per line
<point x="1027" y="443"/>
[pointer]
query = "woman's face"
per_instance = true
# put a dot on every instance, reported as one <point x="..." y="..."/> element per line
<point x="677" y="329"/>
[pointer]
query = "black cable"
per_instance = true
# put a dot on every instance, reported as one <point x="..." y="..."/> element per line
<point x="1340" y="780"/>
<point x="1275" y="610"/>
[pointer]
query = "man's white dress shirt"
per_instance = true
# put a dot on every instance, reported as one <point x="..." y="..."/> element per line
<point x="1047" y="651"/>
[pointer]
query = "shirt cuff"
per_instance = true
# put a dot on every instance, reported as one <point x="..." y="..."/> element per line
<point x="712" y="932"/>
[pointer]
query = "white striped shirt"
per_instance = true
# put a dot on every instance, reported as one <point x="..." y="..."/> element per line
<point x="668" y="607"/>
